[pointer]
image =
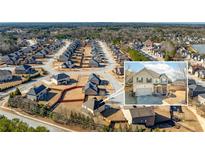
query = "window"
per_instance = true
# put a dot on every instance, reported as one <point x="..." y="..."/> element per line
<point x="139" y="80"/>
<point x="156" y="81"/>
<point x="163" y="80"/>
<point x="149" y="80"/>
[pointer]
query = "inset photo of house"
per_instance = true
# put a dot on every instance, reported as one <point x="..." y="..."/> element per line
<point x="156" y="83"/>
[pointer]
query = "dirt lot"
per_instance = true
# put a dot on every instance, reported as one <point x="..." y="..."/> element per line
<point x="188" y="121"/>
<point x="82" y="80"/>
<point x="178" y="98"/>
<point x="74" y="94"/>
<point x="69" y="106"/>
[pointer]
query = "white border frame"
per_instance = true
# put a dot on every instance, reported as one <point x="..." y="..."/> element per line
<point x="144" y="105"/>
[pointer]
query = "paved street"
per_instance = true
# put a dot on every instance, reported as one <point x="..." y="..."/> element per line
<point x="119" y="98"/>
<point x="29" y="120"/>
<point x="101" y="71"/>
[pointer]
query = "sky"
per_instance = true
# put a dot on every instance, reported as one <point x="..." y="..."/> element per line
<point x="174" y="70"/>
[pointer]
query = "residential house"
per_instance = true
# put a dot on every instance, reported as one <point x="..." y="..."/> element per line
<point x="40" y="55"/>
<point x="119" y="70"/>
<point x="38" y="93"/>
<point x="94" y="63"/>
<point x="61" y="79"/>
<point x="91" y="89"/>
<point x="191" y="82"/>
<point x="194" y="68"/>
<point x="94" y="106"/>
<point x="148" y="82"/>
<point x="140" y="115"/>
<point x="195" y="90"/>
<point x="23" y="69"/>
<point x="148" y="45"/>
<point x="94" y="79"/>
<point x="5" y="75"/>
<point x="30" y="60"/>
<point x="64" y="57"/>
<point x="68" y="64"/>
<point x="9" y="60"/>
<point x="202" y="74"/>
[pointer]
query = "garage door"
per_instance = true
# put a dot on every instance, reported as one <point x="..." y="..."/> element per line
<point x="143" y="91"/>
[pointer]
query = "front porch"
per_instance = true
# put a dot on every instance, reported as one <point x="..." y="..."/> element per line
<point x="160" y="89"/>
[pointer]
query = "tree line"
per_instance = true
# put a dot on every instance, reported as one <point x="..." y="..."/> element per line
<point x="15" y="125"/>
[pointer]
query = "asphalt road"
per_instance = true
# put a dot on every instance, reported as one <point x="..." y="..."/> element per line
<point x="30" y="122"/>
<point x="25" y="87"/>
<point x="48" y="67"/>
<point x="101" y="71"/>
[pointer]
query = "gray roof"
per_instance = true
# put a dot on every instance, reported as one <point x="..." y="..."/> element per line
<point x="92" y="86"/>
<point x="94" y="104"/>
<point x="93" y="75"/>
<point x="93" y="61"/>
<point x="191" y="81"/>
<point x="23" y="67"/>
<point x="196" y="87"/>
<point x="61" y="76"/>
<point x="5" y="72"/>
<point x="142" y="112"/>
<point x="36" y="90"/>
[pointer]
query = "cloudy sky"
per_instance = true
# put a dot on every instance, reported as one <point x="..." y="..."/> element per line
<point x="174" y="70"/>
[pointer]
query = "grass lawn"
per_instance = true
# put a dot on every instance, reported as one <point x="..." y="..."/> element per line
<point x="136" y="56"/>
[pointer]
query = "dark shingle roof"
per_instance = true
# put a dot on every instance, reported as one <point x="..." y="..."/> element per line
<point x="196" y="87"/>
<point x="94" y="104"/>
<point x="5" y="72"/>
<point x="142" y="112"/>
<point x="23" y="67"/>
<point x="60" y="76"/>
<point x="92" y="86"/>
<point x="36" y="90"/>
<point x="191" y="81"/>
<point x="93" y="75"/>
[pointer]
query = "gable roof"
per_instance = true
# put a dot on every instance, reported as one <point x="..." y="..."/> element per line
<point x="152" y="73"/>
<point x="5" y="72"/>
<point x="94" y="104"/>
<point x="36" y="90"/>
<point x="93" y="62"/>
<point x="196" y="87"/>
<point x="191" y="81"/>
<point x="92" y="86"/>
<point x="93" y="75"/>
<point x="60" y="76"/>
<point x="142" y="112"/>
<point x="23" y="67"/>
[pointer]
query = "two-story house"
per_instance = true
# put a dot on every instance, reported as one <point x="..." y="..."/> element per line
<point x="148" y="82"/>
